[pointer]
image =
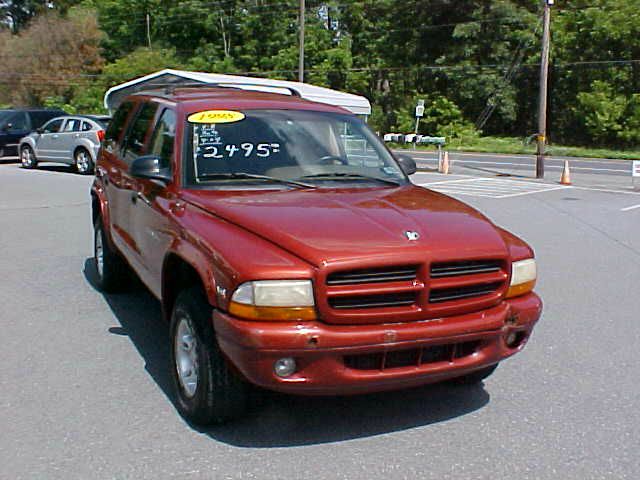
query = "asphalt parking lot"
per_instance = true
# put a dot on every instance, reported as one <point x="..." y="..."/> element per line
<point x="86" y="394"/>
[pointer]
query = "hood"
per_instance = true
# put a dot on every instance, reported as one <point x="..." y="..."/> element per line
<point x="326" y="226"/>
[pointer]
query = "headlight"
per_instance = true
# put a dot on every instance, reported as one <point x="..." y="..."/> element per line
<point x="274" y="300"/>
<point x="523" y="277"/>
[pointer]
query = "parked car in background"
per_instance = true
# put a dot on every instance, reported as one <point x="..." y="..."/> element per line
<point x="16" y="123"/>
<point x="72" y="140"/>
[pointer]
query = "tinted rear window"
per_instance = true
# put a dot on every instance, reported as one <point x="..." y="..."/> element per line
<point x="39" y="118"/>
<point x="138" y="132"/>
<point x="117" y="123"/>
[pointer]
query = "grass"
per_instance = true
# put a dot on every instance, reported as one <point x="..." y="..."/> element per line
<point x="516" y="145"/>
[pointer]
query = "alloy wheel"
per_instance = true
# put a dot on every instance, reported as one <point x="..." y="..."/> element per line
<point x="82" y="161"/>
<point x="186" y="356"/>
<point x="99" y="252"/>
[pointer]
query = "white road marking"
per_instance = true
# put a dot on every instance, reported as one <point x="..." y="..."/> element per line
<point x="632" y="207"/>
<point x="491" y="187"/>
<point x="527" y="193"/>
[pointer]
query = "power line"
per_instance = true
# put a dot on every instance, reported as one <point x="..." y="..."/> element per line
<point x="45" y="78"/>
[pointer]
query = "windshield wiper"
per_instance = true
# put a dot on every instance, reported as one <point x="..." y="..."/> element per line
<point x="347" y="176"/>
<point x="243" y="175"/>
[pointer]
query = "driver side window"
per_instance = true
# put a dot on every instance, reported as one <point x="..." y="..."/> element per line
<point x="53" y="126"/>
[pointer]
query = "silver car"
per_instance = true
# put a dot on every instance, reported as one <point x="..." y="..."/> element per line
<point x="73" y="140"/>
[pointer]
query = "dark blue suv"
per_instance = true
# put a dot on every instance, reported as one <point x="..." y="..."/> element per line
<point x="17" y="123"/>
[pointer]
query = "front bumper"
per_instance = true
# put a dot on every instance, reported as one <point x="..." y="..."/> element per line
<point x="321" y="350"/>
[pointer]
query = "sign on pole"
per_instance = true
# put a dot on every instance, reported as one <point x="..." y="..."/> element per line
<point x="635" y="169"/>
<point x="420" y="109"/>
<point x="419" y="115"/>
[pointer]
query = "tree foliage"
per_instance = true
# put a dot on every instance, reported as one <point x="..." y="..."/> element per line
<point x="54" y="56"/>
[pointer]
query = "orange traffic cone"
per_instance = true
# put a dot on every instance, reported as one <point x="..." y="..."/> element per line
<point x="565" y="179"/>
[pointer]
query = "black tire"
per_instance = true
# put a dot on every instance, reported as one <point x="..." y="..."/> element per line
<point x="82" y="161"/>
<point x="112" y="273"/>
<point x="28" y="158"/>
<point x="218" y="394"/>
<point x="476" y="377"/>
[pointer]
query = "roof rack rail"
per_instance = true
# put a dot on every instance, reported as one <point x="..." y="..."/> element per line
<point x="170" y="87"/>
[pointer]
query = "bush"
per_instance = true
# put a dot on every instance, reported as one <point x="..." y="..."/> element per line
<point x="442" y="118"/>
<point x="609" y="117"/>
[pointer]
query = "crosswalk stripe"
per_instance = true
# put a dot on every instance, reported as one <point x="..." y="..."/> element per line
<point x="490" y="187"/>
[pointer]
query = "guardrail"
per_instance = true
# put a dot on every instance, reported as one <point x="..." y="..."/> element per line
<point x="414" y="139"/>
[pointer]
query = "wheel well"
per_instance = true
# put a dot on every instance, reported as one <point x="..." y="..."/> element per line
<point x="177" y="274"/>
<point x="78" y="148"/>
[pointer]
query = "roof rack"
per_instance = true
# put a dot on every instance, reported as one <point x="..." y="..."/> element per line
<point x="170" y="87"/>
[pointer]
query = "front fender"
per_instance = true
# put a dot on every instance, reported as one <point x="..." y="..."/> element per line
<point x="197" y="259"/>
<point x="27" y="141"/>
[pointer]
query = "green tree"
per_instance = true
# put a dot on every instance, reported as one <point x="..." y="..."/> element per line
<point x="141" y="61"/>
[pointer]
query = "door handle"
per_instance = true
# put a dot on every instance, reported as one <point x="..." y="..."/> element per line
<point x="77" y="135"/>
<point x="140" y="195"/>
<point x="55" y="136"/>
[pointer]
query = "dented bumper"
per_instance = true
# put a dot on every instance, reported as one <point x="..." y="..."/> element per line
<point x="348" y="359"/>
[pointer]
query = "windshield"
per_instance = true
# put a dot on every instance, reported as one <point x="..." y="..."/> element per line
<point x="289" y="145"/>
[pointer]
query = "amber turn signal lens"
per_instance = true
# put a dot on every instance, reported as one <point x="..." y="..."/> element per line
<point x="282" y="314"/>
<point x="521" y="289"/>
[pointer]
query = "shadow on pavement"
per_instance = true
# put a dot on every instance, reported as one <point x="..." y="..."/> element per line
<point x="287" y="420"/>
<point x="57" y="168"/>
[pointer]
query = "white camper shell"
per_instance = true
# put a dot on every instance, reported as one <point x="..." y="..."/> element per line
<point x="354" y="103"/>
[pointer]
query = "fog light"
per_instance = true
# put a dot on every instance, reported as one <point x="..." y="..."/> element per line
<point x="515" y="339"/>
<point x="284" y="367"/>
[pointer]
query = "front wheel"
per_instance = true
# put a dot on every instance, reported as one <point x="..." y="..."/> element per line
<point x="27" y="157"/>
<point x="83" y="161"/>
<point x="208" y="390"/>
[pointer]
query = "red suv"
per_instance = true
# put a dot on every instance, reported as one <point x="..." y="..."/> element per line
<point x="290" y="251"/>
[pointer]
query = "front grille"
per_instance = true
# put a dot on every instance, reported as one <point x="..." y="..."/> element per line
<point x="373" y="301"/>
<point x="411" y="357"/>
<point x="474" y="267"/>
<point x="457" y="293"/>
<point x="373" y="275"/>
<point x="412" y="291"/>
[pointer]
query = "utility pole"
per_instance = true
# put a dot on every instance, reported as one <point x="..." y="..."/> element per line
<point x="544" y="78"/>
<point x="301" y="54"/>
<point x="148" y="30"/>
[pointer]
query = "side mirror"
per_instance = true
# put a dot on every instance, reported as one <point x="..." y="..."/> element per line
<point x="407" y="164"/>
<point x="148" y="166"/>
<point x="40" y="130"/>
